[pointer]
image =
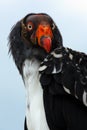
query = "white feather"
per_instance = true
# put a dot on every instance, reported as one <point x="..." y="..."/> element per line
<point x="56" y="55"/>
<point x="66" y="89"/>
<point x="35" y="113"/>
<point x="70" y="56"/>
<point x="85" y="98"/>
<point x="54" y="70"/>
<point x="42" y="68"/>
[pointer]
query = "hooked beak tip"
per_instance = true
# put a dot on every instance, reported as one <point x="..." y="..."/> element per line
<point x="46" y="43"/>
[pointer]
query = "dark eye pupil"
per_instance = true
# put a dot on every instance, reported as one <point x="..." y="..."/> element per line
<point x="29" y="26"/>
<point x="53" y="26"/>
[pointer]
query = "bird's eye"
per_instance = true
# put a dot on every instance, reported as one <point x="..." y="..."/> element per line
<point x="30" y="26"/>
<point x="53" y="26"/>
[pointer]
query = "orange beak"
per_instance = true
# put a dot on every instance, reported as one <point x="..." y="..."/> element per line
<point x="44" y="36"/>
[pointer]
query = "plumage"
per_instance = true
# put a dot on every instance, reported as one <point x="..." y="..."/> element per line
<point x="55" y="77"/>
<point x="73" y="68"/>
<point x="35" y="113"/>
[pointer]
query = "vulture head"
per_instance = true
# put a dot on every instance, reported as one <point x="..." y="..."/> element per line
<point x="34" y="36"/>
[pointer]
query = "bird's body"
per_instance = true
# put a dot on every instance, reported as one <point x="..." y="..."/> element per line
<point x="35" y="114"/>
<point x="54" y="100"/>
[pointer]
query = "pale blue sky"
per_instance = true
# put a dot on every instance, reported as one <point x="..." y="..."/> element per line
<point x="71" y="18"/>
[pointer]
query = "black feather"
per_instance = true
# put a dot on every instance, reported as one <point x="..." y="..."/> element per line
<point x="72" y="66"/>
<point x="16" y="45"/>
<point x="63" y="69"/>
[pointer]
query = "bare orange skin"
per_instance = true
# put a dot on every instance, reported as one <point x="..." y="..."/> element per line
<point x="44" y="32"/>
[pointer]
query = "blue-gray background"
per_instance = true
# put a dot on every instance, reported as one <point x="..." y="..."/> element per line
<point x="71" y="18"/>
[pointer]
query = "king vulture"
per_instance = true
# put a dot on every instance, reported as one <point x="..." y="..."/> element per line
<point x="55" y="77"/>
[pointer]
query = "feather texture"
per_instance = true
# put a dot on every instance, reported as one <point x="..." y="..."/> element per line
<point x="55" y="99"/>
<point x="73" y="68"/>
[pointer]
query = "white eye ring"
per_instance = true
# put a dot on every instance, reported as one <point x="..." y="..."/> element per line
<point x="30" y="27"/>
<point x="53" y="26"/>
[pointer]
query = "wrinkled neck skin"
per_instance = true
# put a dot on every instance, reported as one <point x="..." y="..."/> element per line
<point x="35" y="114"/>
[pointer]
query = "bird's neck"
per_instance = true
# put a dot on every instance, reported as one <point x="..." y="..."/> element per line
<point x="31" y="77"/>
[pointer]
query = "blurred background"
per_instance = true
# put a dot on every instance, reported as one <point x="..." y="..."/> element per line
<point x="71" y="19"/>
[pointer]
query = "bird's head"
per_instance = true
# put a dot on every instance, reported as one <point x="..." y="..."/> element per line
<point x="35" y="35"/>
<point x="40" y="30"/>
